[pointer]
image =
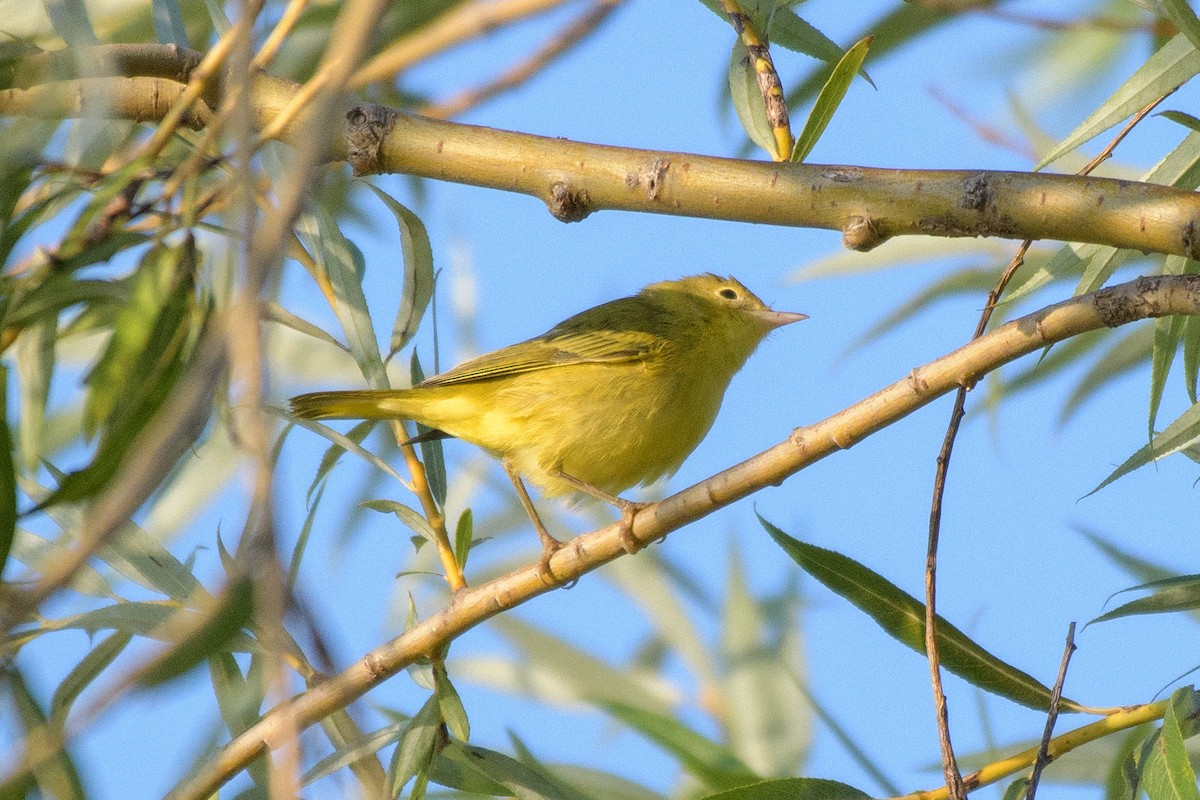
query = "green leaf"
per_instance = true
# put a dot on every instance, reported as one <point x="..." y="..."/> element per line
<point x="408" y="516"/>
<point x="829" y="98"/>
<point x="788" y="30"/>
<point x="432" y="453"/>
<point x="137" y="554"/>
<point x="418" y="272"/>
<point x="450" y="704"/>
<point x="1177" y="593"/>
<point x="792" y="789"/>
<point x="70" y="21"/>
<point x="1184" y="18"/>
<point x="1180" y="118"/>
<point x="57" y="777"/>
<point x="8" y="478"/>
<point x="520" y="780"/>
<point x="1170" y="67"/>
<point x="239" y="700"/>
<point x="1168" y="774"/>
<point x="903" y="617"/>
<point x="353" y="751"/>
<point x="213" y="635"/>
<point x="273" y="312"/>
<point x="87" y="670"/>
<point x="168" y="22"/>
<point x="344" y="441"/>
<point x="335" y="451"/>
<point x="1181" y="433"/>
<point x="1129" y="351"/>
<point x="463" y="533"/>
<point x="343" y="263"/>
<point x="1167" y="333"/>
<point x="416" y="749"/>
<point x="748" y="100"/>
<point x="715" y="765"/>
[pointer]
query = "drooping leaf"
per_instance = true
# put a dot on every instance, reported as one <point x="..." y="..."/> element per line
<point x="902" y="616"/>
<point x="417" y="747"/>
<point x="1176" y="593"/>
<point x="748" y="100"/>
<point x="413" y="519"/>
<point x="1181" y="433"/>
<point x="450" y="704"/>
<point x="792" y="789"/>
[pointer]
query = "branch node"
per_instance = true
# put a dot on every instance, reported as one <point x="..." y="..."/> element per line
<point x="567" y="205"/>
<point x="367" y="127"/>
<point x="862" y="234"/>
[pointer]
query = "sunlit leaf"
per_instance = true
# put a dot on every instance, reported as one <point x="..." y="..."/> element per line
<point x="1168" y="68"/>
<point x="520" y="780"/>
<point x="1168" y="773"/>
<point x="829" y="98"/>
<point x="792" y="789"/>
<point x="463" y="538"/>
<point x="1179" y="434"/>
<point x="408" y="516"/>
<point x="748" y="100"/>
<point x="450" y="704"/>
<point x="791" y="31"/>
<point x="903" y="617"/>
<point x="1177" y="593"/>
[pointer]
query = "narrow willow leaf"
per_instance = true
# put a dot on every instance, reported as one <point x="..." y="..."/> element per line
<point x="1017" y="790"/>
<point x="82" y="674"/>
<point x="1168" y="774"/>
<point x="273" y="312"/>
<point x="1180" y="118"/>
<point x="1191" y="355"/>
<point x="343" y="263"/>
<point x="70" y="21"/>
<point x="8" y="478"/>
<point x="1134" y="565"/>
<point x="829" y="98"/>
<point x="142" y="553"/>
<point x="334" y="453"/>
<point x="1181" y="433"/>
<point x="1177" y="593"/>
<point x="792" y="789"/>
<point x="790" y="31"/>
<point x="57" y="292"/>
<point x="238" y="700"/>
<point x="168" y="22"/>
<point x="1167" y="333"/>
<point x="748" y="100"/>
<point x="415" y="751"/>
<point x="232" y="612"/>
<point x="418" y="272"/>
<point x="463" y="533"/>
<point x="305" y="533"/>
<point x="343" y="757"/>
<point x="35" y="364"/>
<point x="433" y="455"/>
<point x="1184" y="18"/>
<point x="56" y="777"/>
<point x="408" y="516"/>
<point x="341" y="440"/>
<point x="520" y="780"/>
<point x="903" y="617"/>
<point x="1171" y="66"/>
<point x="715" y="765"/>
<point x="450" y="704"/>
<point x="1129" y="351"/>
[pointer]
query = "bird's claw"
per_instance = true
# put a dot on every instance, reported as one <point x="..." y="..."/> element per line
<point x="546" y="575"/>
<point x="629" y="510"/>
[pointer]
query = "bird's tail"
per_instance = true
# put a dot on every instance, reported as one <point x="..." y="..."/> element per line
<point x="362" y="404"/>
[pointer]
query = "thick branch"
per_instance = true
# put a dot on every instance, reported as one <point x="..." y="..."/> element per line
<point x="869" y="205"/>
<point x="1140" y="299"/>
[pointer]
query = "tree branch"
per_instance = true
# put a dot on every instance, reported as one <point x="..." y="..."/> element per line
<point x="869" y="205"/>
<point x="1140" y="299"/>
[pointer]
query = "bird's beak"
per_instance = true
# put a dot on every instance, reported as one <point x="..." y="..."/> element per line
<point x="777" y="319"/>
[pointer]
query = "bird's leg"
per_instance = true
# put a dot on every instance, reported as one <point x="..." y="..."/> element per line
<point x="628" y="509"/>
<point x="550" y="545"/>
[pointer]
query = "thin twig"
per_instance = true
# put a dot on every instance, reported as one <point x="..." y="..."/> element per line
<point x="949" y="764"/>
<point x="573" y="33"/>
<point x="768" y="78"/>
<point x="1043" y="754"/>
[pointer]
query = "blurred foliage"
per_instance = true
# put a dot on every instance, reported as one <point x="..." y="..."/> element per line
<point x="118" y="269"/>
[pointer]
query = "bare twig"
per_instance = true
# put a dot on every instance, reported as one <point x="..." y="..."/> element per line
<point x="1043" y="753"/>
<point x="949" y="765"/>
<point x="768" y="79"/>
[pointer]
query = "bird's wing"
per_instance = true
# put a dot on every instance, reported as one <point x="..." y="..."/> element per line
<point x="555" y="350"/>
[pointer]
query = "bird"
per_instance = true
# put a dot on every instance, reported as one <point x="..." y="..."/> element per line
<point x="613" y="397"/>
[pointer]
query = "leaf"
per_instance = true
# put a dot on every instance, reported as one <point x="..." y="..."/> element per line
<point x="70" y="21"/>
<point x="829" y="98"/>
<point x="712" y="763"/>
<point x="57" y="776"/>
<point x="792" y="789"/>
<point x="1181" y="433"/>
<point x="450" y="704"/>
<point x="8" y="478"/>
<point x="788" y="30"/>
<point x="212" y="635"/>
<point x="341" y="440"/>
<point x="432" y="453"/>
<point x="903" y="617"/>
<point x="1184" y="18"/>
<point x="521" y="780"/>
<point x="273" y="312"/>
<point x="408" y="516"/>
<point x="1171" y="66"/>
<point x="1167" y="332"/>
<point x="343" y="264"/>
<point x="353" y="751"/>
<point x="136" y="553"/>
<point x="748" y="100"/>
<point x="415" y="751"/>
<point x="168" y="22"/>
<point x="86" y="671"/>
<point x="463" y="533"/>
<point x="1177" y="593"/>
<point x="1168" y="774"/>
<point x="418" y="272"/>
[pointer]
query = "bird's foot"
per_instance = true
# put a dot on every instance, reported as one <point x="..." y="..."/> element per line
<point x="629" y="510"/>
<point x="550" y="546"/>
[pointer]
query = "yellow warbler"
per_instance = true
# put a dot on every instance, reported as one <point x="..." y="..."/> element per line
<point x="615" y="396"/>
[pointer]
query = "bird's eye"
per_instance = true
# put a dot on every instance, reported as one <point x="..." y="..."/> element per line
<point x="728" y="294"/>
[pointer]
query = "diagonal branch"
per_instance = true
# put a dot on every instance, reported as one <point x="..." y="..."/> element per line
<point x="1140" y="299"/>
